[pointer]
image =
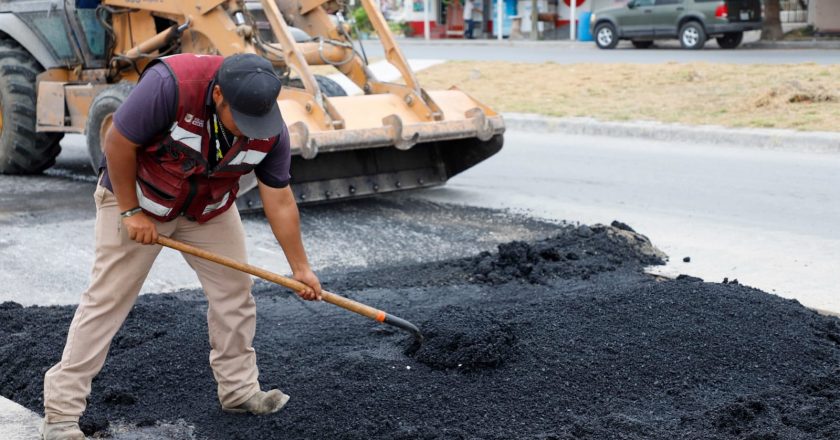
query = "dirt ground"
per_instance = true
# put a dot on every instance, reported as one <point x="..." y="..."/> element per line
<point x="563" y="338"/>
<point x="802" y="96"/>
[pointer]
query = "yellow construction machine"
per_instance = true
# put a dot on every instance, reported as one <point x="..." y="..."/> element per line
<point x="67" y="65"/>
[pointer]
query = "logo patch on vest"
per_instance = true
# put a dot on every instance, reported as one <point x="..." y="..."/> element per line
<point x="190" y="119"/>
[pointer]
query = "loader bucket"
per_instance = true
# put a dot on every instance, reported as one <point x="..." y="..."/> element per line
<point x="383" y="145"/>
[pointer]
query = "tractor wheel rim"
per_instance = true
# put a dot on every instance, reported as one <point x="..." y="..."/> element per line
<point x="690" y="37"/>
<point x="605" y="36"/>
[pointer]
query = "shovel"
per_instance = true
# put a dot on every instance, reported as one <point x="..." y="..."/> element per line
<point x="297" y="286"/>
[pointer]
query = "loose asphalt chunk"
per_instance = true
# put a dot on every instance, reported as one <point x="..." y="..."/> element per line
<point x="563" y="338"/>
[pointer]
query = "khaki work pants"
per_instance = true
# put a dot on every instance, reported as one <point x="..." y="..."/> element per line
<point x="120" y="267"/>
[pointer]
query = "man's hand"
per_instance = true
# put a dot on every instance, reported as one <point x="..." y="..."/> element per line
<point x="313" y="286"/>
<point x="141" y="229"/>
<point x="282" y="214"/>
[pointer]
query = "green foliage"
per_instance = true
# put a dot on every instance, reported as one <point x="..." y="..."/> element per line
<point x="362" y="21"/>
<point x="364" y="26"/>
<point x="400" y="28"/>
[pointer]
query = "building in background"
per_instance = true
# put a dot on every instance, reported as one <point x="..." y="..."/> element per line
<point x="555" y="14"/>
<point x="824" y="15"/>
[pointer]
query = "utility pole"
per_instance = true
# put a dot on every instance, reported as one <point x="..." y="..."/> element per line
<point x="499" y="18"/>
<point x="535" y="29"/>
<point x="426" y="30"/>
<point x="573" y="21"/>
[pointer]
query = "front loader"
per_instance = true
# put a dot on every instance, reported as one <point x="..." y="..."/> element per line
<point x="66" y="66"/>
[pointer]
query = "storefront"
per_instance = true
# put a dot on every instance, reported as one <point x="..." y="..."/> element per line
<point x="446" y="19"/>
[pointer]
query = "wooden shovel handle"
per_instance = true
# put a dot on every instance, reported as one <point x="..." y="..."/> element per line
<point x="290" y="283"/>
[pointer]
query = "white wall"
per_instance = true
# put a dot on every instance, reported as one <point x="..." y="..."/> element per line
<point x="412" y="15"/>
<point x="826" y="15"/>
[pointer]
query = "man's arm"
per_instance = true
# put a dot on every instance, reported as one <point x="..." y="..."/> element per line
<point x="282" y="214"/>
<point x="148" y="111"/>
<point x="121" y="154"/>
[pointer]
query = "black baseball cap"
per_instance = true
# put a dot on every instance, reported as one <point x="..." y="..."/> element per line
<point x="250" y="87"/>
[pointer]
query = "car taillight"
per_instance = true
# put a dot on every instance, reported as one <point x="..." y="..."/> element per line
<point x="722" y="11"/>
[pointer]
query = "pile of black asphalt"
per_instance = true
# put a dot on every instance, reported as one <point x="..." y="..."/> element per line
<point x="564" y="338"/>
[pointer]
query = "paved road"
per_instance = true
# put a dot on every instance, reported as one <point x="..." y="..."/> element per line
<point x="46" y="234"/>
<point x="567" y="53"/>
<point x="767" y="218"/>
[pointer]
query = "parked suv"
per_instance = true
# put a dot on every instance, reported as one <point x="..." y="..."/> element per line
<point x="691" y="21"/>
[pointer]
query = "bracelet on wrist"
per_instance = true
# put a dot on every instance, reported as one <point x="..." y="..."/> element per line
<point x="130" y="212"/>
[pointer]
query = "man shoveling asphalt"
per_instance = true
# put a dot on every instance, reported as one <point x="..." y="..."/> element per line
<point x="178" y="145"/>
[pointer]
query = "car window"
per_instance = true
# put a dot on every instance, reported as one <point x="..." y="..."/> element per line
<point x="667" y="2"/>
<point x="644" y="3"/>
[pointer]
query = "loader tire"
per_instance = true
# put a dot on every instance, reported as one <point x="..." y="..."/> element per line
<point x="329" y="87"/>
<point x="22" y="150"/>
<point x="100" y="117"/>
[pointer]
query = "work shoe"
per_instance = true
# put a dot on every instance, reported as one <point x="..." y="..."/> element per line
<point x="261" y="403"/>
<point x="61" y="431"/>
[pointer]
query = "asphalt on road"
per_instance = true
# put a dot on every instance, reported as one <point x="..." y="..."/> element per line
<point x="762" y="216"/>
<point x="736" y="211"/>
<point x="47" y="222"/>
<point x="557" y="339"/>
<point x="796" y="382"/>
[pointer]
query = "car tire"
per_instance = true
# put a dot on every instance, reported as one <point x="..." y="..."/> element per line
<point x="730" y="40"/>
<point x="100" y="118"/>
<point x="692" y="36"/>
<point x="642" y="44"/>
<point x="605" y="36"/>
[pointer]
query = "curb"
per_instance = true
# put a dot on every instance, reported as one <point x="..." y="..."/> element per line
<point x="765" y="138"/>
<point x="801" y="44"/>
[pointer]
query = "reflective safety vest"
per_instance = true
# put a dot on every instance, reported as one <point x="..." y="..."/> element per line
<point x="174" y="176"/>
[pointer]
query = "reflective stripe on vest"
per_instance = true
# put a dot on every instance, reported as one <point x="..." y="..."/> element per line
<point x="150" y="205"/>
<point x="185" y="137"/>
<point x="250" y="157"/>
<point x="210" y="208"/>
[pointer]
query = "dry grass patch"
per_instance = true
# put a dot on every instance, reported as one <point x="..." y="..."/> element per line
<point x="804" y="97"/>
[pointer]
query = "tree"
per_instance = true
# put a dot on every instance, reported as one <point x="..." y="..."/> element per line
<point x="772" y="27"/>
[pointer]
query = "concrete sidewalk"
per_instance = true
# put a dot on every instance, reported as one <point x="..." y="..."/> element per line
<point x="17" y="422"/>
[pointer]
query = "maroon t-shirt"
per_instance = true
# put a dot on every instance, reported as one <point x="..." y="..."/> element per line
<point x="151" y="108"/>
